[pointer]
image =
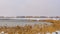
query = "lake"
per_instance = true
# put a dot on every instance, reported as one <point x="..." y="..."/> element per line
<point x="14" y="22"/>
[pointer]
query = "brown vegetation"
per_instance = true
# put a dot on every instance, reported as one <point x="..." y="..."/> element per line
<point x="28" y="29"/>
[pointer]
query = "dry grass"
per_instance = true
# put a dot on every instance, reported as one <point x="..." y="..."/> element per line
<point x="28" y="29"/>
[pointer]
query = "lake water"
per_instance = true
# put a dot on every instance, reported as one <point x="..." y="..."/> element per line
<point x="20" y="22"/>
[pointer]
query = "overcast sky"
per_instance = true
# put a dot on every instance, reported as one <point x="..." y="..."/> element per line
<point x="29" y="7"/>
